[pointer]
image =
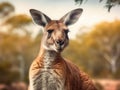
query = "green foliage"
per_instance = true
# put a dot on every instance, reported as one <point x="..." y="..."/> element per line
<point x="109" y="3"/>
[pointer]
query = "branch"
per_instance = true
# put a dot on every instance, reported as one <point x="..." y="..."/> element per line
<point x="109" y="3"/>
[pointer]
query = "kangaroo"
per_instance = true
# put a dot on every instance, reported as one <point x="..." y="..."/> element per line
<point x="50" y="71"/>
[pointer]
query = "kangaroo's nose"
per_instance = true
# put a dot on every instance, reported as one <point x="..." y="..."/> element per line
<point x="60" y="42"/>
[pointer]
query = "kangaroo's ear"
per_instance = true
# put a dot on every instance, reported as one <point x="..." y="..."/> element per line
<point x="39" y="17"/>
<point x="72" y="16"/>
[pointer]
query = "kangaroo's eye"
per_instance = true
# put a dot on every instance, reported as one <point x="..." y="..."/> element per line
<point x="66" y="31"/>
<point x="50" y="31"/>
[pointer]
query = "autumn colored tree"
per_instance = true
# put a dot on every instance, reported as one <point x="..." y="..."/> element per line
<point x="14" y="43"/>
<point x="17" y="46"/>
<point x="103" y="48"/>
<point x="109" y="45"/>
<point x="12" y="49"/>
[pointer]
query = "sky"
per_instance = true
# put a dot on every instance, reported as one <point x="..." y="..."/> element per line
<point x="93" y="11"/>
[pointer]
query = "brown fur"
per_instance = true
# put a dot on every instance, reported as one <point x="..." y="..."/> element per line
<point x="74" y="78"/>
<point x="59" y="69"/>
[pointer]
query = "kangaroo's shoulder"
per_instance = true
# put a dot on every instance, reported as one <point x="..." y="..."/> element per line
<point x="71" y="66"/>
<point x="36" y="66"/>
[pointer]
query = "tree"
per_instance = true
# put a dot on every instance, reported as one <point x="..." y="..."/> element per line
<point x="6" y="75"/>
<point x="6" y="9"/>
<point x="14" y="22"/>
<point x="13" y="44"/>
<point x="18" y="22"/>
<point x="102" y="45"/>
<point x="109" y="3"/>
<point x="108" y="42"/>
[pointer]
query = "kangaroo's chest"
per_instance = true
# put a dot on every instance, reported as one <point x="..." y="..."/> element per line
<point x="47" y="78"/>
<point x="51" y="81"/>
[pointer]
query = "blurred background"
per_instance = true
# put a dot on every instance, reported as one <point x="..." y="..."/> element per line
<point x="94" y="40"/>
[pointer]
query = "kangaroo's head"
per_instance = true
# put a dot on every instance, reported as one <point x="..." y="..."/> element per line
<point x="55" y="36"/>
